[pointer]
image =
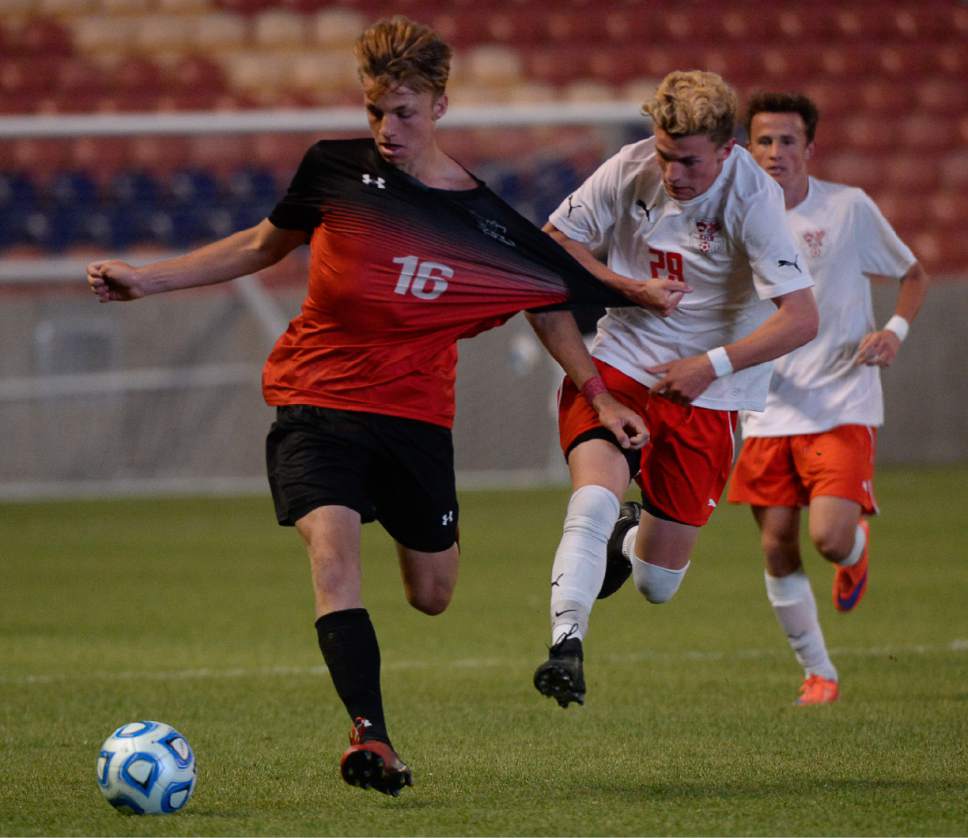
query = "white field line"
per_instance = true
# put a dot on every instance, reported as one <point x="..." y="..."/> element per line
<point x="206" y="673"/>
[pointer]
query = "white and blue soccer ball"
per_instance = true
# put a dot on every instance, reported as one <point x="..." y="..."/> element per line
<point x="146" y="768"/>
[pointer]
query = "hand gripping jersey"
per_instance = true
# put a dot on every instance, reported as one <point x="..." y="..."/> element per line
<point x="843" y="238"/>
<point x="398" y="273"/>
<point x="730" y="244"/>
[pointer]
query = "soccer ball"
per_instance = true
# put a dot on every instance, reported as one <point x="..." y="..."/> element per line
<point x="146" y="768"/>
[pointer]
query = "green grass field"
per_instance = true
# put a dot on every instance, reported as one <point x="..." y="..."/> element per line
<point x="199" y="613"/>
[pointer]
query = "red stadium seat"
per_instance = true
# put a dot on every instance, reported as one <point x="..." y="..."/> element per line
<point x="842" y="61"/>
<point x="921" y="22"/>
<point x="42" y="37"/>
<point x="830" y="98"/>
<point x="942" y="96"/>
<point x="902" y="61"/>
<point x="136" y="74"/>
<point x="787" y="67"/>
<point x="190" y="73"/>
<point x="802" y="23"/>
<point x="245" y="7"/>
<point x="858" y="23"/>
<point x="28" y="74"/>
<point x="954" y="170"/>
<point x="899" y="209"/>
<point x="555" y="65"/>
<point x="916" y="173"/>
<point x="615" y="66"/>
<point x="885" y="97"/>
<point x="922" y="131"/>
<point x="850" y="167"/>
<point x="683" y="26"/>
<point x="948" y="209"/>
<point x="516" y="25"/>
<point x="941" y="251"/>
<point x="632" y="24"/>
<point x="950" y="59"/>
<point x="868" y="133"/>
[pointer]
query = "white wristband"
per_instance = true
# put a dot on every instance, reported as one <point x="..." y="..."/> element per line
<point x="719" y="358"/>
<point x="899" y="326"/>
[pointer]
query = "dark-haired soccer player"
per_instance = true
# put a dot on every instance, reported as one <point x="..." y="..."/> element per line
<point x="814" y="444"/>
<point x="409" y="253"/>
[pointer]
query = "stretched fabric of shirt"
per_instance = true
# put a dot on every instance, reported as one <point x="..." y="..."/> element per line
<point x="844" y="239"/>
<point x="398" y="273"/>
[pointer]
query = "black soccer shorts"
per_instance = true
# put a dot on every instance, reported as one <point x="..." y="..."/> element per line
<point x="397" y="471"/>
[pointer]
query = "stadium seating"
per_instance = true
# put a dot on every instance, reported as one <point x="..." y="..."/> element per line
<point x="889" y="79"/>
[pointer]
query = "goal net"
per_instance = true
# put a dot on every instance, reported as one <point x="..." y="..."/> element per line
<point x="164" y="395"/>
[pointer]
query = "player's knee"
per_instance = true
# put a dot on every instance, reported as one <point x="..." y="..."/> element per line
<point x="657" y="584"/>
<point x="430" y="598"/>
<point x="833" y="545"/>
<point x="778" y="549"/>
<point x="591" y="513"/>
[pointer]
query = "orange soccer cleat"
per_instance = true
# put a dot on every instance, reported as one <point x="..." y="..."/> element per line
<point x="850" y="583"/>
<point x="372" y="763"/>
<point x="818" y="690"/>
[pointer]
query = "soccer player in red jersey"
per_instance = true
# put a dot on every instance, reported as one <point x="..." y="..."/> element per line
<point x="409" y="252"/>
<point x="813" y="446"/>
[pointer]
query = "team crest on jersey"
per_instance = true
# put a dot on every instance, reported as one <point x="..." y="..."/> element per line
<point x="494" y="229"/>
<point x="814" y="242"/>
<point x="707" y="234"/>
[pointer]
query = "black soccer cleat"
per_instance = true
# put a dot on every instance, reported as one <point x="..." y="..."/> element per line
<point x="618" y="568"/>
<point x="373" y="764"/>
<point x="561" y="677"/>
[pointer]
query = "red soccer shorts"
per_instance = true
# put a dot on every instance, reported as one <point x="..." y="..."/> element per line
<point x="685" y="463"/>
<point x="792" y="470"/>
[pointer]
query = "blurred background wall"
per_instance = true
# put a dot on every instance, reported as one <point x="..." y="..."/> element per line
<point x="164" y="394"/>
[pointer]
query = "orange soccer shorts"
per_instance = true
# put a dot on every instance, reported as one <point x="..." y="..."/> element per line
<point x="685" y="463"/>
<point x="792" y="470"/>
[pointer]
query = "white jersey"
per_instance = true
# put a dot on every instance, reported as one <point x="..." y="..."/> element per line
<point x="843" y="238"/>
<point x="730" y="245"/>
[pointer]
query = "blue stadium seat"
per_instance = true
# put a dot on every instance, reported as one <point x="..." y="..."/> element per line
<point x="73" y="189"/>
<point x="17" y="192"/>
<point x="252" y="184"/>
<point x="193" y="186"/>
<point x="134" y="187"/>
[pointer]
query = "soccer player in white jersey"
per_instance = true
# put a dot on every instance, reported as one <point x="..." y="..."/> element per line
<point x="688" y="204"/>
<point x="814" y="444"/>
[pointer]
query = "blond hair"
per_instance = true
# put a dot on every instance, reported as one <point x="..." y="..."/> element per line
<point x="694" y="102"/>
<point x="397" y="50"/>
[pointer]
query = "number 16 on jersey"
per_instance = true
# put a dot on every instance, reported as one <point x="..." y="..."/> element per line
<point x="425" y="280"/>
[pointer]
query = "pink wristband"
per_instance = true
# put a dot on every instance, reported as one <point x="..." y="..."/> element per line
<point x="593" y="387"/>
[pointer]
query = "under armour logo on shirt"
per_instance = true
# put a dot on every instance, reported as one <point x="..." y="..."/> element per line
<point x="447" y="517"/>
<point x="378" y="182"/>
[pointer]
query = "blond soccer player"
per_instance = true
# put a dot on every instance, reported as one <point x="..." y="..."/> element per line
<point x="813" y="447"/>
<point x="686" y="203"/>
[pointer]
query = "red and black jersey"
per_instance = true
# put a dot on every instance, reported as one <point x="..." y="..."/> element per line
<point x="398" y="273"/>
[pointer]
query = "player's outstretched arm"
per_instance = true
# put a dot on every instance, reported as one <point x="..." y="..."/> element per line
<point x="880" y="348"/>
<point x="793" y="324"/>
<point x="240" y="254"/>
<point x="559" y="333"/>
<point x="660" y="295"/>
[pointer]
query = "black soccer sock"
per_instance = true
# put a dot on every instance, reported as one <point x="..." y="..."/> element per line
<point x="349" y="646"/>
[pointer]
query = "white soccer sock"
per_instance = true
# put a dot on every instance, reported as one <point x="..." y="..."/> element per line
<point x="860" y="542"/>
<point x="579" y="567"/>
<point x="796" y="611"/>
<point x="628" y="543"/>
<point x="656" y="584"/>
